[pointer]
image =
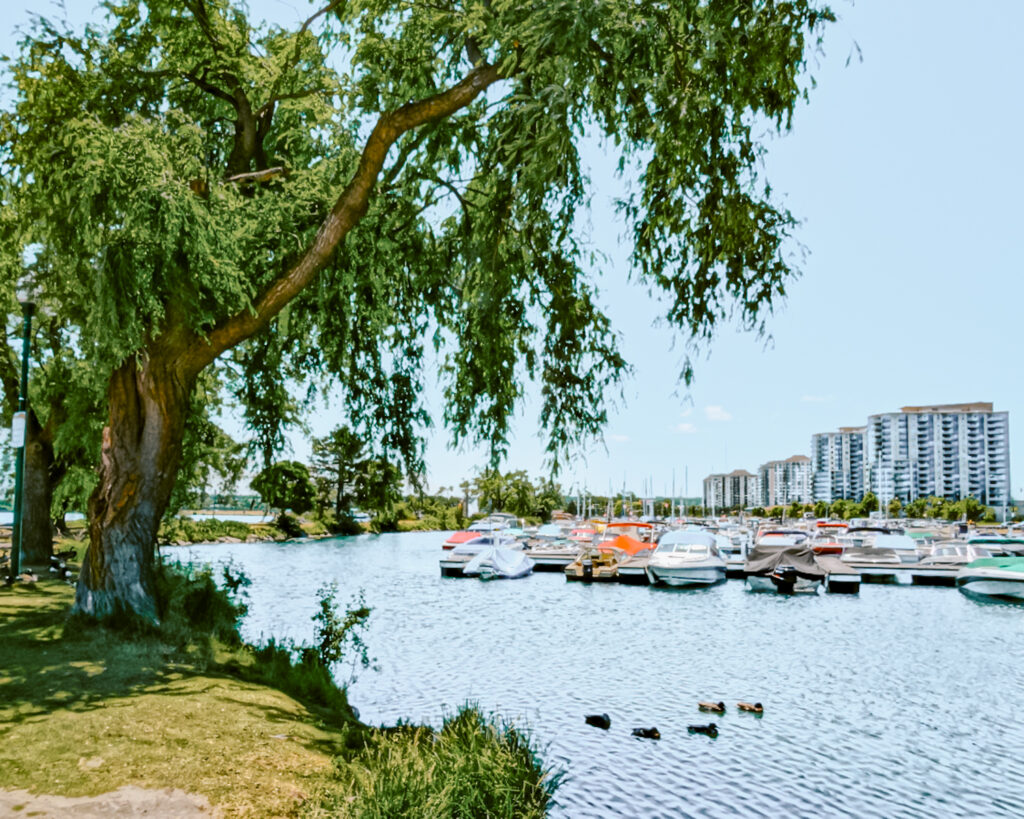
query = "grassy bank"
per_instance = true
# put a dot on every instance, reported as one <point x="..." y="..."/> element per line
<point x="84" y="711"/>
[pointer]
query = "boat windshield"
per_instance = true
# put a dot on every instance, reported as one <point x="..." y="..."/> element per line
<point x="692" y="549"/>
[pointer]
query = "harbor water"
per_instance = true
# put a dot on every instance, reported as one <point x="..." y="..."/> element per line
<point x="900" y="701"/>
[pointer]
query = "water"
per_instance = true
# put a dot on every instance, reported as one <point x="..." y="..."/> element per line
<point x="898" y="702"/>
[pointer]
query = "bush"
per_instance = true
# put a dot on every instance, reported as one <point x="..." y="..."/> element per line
<point x="175" y="530"/>
<point x="289" y="525"/>
<point x="474" y="766"/>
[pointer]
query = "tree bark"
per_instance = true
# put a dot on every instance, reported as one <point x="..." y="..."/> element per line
<point x="148" y="400"/>
<point x="36" y="497"/>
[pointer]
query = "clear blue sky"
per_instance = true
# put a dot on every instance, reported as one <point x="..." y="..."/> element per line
<point x="905" y="173"/>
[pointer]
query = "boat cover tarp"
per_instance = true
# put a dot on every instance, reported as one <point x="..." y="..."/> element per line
<point x="502" y="562"/>
<point x="629" y="545"/>
<point x="764" y="560"/>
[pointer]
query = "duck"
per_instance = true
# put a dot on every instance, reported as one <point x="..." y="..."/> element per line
<point x="598" y="720"/>
<point x="752" y="707"/>
<point x="710" y="729"/>
<point x="647" y="733"/>
<point x="717" y="707"/>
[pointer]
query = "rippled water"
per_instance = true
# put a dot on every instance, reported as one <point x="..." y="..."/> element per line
<point x="902" y="701"/>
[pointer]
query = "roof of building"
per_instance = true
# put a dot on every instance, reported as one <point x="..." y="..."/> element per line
<point x="853" y="429"/>
<point x="976" y="406"/>
<point x="740" y="473"/>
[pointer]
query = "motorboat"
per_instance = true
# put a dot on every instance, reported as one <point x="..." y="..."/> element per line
<point x="461" y="536"/>
<point x="553" y="555"/>
<point x="954" y="553"/>
<point x="454" y="561"/>
<point x="999" y="578"/>
<point x="903" y="546"/>
<point x="786" y="570"/>
<point x="496" y="562"/>
<point x="686" y="557"/>
<point x="999" y="544"/>
<point x="600" y="562"/>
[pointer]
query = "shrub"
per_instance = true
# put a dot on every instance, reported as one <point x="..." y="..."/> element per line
<point x="475" y="765"/>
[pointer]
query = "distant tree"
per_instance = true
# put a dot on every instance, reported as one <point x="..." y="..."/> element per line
<point x="337" y="460"/>
<point x="870" y="503"/>
<point x="839" y="509"/>
<point x="548" y="497"/>
<point x="379" y="490"/>
<point x="894" y="507"/>
<point x="285" y="485"/>
<point x="820" y="509"/>
<point x="519" y="494"/>
<point x="796" y="509"/>
<point x="759" y="512"/>
<point x="491" y="489"/>
<point x="917" y="508"/>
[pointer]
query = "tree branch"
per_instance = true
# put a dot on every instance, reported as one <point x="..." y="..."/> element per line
<point x="350" y="207"/>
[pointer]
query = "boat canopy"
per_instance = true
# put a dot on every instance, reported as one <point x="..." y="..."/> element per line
<point x="764" y="561"/>
<point x="631" y="546"/>
<point x="898" y="543"/>
<point x="550" y="531"/>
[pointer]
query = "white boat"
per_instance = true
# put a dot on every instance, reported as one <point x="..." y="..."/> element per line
<point x="498" y="562"/>
<point x="1001" y="578"/>
<point x="903" y="546"/>
<point x="686" y="557"/>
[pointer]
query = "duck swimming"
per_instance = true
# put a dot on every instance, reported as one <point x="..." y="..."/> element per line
<point x="753" y="707"/>
<point x="598" y="720"/>
<point x="710" y="729"/>
<point x="647" y="733"/>
<point x="717" y="707"/>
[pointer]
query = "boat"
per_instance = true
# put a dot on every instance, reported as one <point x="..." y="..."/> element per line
<point x="785" y="570"/>
<point x="461" y="536"/>
<point x="903" y="546"/>
<point x="954" y="553"/>
<point x="999" y="578"/>
<point x="686" y="557"/>
<point x="454" y="561"/>
<point x="497" y="562"/>
<point x="553" y="555"/>
<point x="600" y="562"/>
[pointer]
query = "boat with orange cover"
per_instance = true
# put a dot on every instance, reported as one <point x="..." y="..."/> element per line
<point x="600" y="562"/>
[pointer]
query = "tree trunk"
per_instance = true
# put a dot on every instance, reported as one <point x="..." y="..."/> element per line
<point x="148" y="400"/>
<point x="36" y="497"/>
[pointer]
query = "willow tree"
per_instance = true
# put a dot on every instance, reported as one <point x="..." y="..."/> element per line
<point x="390" y="192"/>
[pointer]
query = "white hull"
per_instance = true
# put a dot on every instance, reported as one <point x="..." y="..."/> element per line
<point x="697" y="576"/>
<point x="990" y="584"/>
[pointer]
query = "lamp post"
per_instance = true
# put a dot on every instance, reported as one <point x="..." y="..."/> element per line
<point x="26" y="298"/>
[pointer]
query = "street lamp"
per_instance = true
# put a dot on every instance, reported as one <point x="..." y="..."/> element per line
<point x="26" y="298"/>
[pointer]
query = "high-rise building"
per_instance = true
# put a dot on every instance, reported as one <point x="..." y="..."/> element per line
<point x="953" y="451"/>
<point x="838" y="469"/>
<point x="738" y="489"/>
<point x="784" y="482"/>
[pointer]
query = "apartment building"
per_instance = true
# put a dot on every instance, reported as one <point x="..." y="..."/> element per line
<point x="838" y="469"/>
<point x="739" y="489"/>
<point x="953" y="451"/>
<point x="784" y="482"/>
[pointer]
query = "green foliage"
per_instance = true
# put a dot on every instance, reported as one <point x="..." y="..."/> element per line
<point x="285" y="485"/>
<point x="514" y="492"/>
<point x="123" y="144"/>
<point x="337" y="460"/>
<point x="378" y="490"/>
<point x="894" y="507"/>
<point x="337" y="638"/>
<point x="870" y="503"/>
<point x="759" y="512"/>
<point x="184" y="530"/>
<point x="475" y="766"/>
<point x="289" y="525"/>
<point x="820" y="509"/>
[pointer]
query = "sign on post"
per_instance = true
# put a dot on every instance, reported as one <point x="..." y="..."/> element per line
<point x="18" y="430"/>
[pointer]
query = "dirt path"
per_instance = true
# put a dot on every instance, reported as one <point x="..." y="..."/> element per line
<point x="127" y="801"/>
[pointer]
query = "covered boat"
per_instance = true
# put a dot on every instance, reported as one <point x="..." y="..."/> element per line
<point x="498" y="562"/>
<point x="789" y="570"/>
<point x="686" y="557"/>
<point x="1001" y="578"/>
<point x="453" y="562"/>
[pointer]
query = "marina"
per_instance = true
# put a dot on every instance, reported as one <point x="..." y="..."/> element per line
<point x="869" y="701"/>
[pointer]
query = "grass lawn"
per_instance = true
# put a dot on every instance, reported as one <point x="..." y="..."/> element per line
<point x="83" y="716"/>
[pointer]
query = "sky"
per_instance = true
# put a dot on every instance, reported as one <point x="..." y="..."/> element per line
<point x="905" y="173"/>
